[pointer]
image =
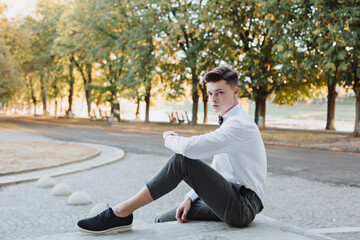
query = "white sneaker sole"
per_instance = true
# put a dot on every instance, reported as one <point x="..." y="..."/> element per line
<point x="108" y="231"/>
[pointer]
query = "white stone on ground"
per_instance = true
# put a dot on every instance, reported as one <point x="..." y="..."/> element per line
<point x="61" y="189"/>
<point x="98" y="208"/>
<point x="79" y="198"/>
<point x="45" y="182"/>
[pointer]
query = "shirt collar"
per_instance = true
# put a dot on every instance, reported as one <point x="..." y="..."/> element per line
<point x="236" y="109"/>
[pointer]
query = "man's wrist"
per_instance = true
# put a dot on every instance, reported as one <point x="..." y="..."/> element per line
<point x="188" y="199"/>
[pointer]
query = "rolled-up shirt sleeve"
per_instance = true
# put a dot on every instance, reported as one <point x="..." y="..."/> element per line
<point x="222" y="140"/>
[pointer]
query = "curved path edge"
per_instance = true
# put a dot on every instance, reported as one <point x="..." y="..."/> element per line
<point x="87" y="157"/>
<point x="107" y="155"/>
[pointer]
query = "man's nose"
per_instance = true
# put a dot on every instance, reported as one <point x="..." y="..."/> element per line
<point x="213" y="99"/>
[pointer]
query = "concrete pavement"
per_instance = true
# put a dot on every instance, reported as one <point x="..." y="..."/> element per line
<point x="30" y="212"/>
<point x="263" y="228"/>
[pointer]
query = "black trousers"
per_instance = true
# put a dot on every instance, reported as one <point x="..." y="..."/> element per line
<point x="218" y="199"/>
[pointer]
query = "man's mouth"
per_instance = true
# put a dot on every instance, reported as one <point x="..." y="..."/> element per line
<point x="215" y="106"/>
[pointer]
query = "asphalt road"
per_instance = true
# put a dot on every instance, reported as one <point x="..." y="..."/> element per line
<point x="311" y="164"/>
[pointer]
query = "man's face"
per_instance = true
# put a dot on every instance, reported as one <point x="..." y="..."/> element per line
<point x="222" y="97"/>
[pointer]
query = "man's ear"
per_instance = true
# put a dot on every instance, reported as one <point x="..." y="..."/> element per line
<point x="236" y="91"/>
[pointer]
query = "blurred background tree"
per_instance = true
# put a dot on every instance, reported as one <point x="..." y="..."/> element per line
<point x="9" y="72"/>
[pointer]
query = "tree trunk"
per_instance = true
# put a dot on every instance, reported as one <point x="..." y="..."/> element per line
<point x="32" y="94"/>
<point x="147" y="101"/>
<point x="205" y="110"/>
<point x="148" y="61"/>
<point x="88" y="91"/>
<point x="56" y="92"/>
<point x="98" y="106"/>
<point x="119" y="115"/>
<point x="356" y="132"/>
<point x="356" y="89"/>
<point x="205" y="101"/>
<point x="87" y="80"/>
<point x="71" y="90"/>
<point x="28" y="94"/>
<point x="115" y="109"/>
<point x="332" y="94"/>
<point x="330" y="120"/>
<point x="260" y="111"/>
<point x="44" y="87"/>
<point x="195" y="97"/>
<point x="137" y="114"/>
<point x="56" y="106"/>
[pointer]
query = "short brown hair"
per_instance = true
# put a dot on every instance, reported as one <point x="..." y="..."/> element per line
<point x="223" y="73"/>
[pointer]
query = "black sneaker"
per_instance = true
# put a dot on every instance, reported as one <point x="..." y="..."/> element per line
<point x="105" y="222"/>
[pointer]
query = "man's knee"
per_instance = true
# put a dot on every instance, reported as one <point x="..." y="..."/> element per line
<point x="177" y="159"/>
<point x="180" y="158"/>
<point x="167" y="216"/>
<point x="158" y="219"/>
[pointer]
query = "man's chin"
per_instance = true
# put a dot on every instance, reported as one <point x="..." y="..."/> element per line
<point x="216" y="109"/>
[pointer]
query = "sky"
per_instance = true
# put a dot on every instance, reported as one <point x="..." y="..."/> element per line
<point x="19" y="7"/>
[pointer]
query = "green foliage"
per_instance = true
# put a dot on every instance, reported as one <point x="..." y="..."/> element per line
<point x="328" y="38"/>
<point x="286" y="50"/>
<point x="8" y="66"/>
<point x="8" y="73"/>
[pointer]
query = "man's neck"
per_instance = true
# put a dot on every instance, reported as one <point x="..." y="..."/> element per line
<point x="236" y="103"/>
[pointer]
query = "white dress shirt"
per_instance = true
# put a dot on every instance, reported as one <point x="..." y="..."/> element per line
<point x="237" y="147"/>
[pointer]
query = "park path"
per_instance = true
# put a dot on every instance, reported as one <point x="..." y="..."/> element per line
<point x="30" y="211"/>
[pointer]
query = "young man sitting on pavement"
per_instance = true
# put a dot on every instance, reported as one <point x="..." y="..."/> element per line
<point x="230" y="190"/>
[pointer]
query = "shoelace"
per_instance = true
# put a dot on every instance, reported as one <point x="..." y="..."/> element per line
<point x="105" y="213"/>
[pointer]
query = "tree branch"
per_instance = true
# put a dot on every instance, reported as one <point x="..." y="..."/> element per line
<point x="106" y="33"/>
<point x="79" y="68"/>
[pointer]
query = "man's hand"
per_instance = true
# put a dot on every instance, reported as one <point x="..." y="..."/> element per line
<point x="167" y="133"/>
<point x="182" y="210"/>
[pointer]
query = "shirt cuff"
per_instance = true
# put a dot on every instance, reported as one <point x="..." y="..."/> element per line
<point x="192" y="194"/>
<point x="167" y="142"/>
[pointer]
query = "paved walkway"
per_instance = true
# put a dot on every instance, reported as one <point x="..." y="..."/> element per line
<point x="31" y="212"/>
<point x="262" y="228"/>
